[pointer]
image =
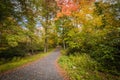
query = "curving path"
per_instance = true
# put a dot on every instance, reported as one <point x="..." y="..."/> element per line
<point x="43" y="69"/>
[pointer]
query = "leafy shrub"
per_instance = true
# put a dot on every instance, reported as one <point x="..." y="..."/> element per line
<point x="80" y="67"/>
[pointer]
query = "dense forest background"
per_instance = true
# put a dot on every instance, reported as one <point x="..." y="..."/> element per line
<point x="89" y="27"/>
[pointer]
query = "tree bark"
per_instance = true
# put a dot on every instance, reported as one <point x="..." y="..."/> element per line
<point x="64" y="46"/>
<point x="46" y="41"/>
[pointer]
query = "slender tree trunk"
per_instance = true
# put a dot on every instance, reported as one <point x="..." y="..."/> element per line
<point x="31" y="42"/>
<point x="46" y="28"/>
<point x="32" y="51"/>
<point x="27" y="44"/>
<point x="64" y="46"/>
<point x="46" y="41"/>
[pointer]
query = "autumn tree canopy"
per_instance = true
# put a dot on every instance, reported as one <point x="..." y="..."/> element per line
<point x="69" y="6"/>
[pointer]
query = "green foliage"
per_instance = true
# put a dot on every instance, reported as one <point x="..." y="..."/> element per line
<point x="18" y="39"/>
<point x="98" y="37"/>
<point x="95" y="33"/>
<point x="19" y="61"/>
<point x="78" y="67"/>
<point x="93" y="29"/>
<point x="83" y="67"/>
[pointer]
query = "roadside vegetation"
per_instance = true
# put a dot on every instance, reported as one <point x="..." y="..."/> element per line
<point x="88" y="31"/>
<point x="90" y="37"/>
<point x="83" y="67"/>
<point x="23" y="32"/>
<point x="21" y="61"/>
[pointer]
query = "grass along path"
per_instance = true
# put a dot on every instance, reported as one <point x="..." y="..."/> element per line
<point x="17" y="62"/>
<point x="42" y="69"/>
<point x="83" y="67"/>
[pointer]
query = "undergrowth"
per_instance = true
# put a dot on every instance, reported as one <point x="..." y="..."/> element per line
<point x="83" y="67"/>
<point x="17" y="61"/>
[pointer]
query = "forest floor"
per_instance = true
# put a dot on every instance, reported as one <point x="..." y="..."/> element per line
<point x="43" y="69"/>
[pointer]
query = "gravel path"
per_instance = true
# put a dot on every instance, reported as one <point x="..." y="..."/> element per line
<point x="43" y="69"/>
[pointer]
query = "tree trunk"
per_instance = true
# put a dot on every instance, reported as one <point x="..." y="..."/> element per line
<point x="46" y="28"/>
<point x="46" y="41"/>
<point x="64" y="46"/>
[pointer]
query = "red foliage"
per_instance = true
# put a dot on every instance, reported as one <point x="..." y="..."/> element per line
<point x="67" y="6"/>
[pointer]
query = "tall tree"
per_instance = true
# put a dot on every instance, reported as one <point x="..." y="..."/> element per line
<point x="46" y="13"/>
<point x="16" y="22"/>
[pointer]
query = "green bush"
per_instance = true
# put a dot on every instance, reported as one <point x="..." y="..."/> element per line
<point x="83" y="67"/>
<point x="80" y="67"/>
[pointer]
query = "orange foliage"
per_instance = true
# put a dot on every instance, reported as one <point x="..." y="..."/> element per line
<point x="59" y="14"/>
<point x="67" y="6"/>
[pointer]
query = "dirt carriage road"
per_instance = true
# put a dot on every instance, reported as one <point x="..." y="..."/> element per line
<point x="43" y="69"/>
